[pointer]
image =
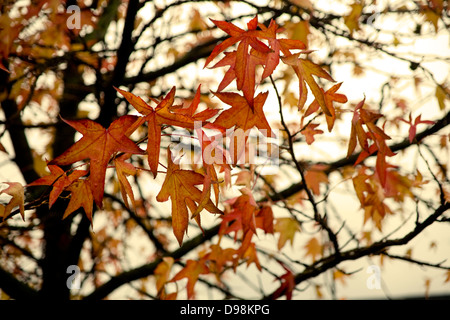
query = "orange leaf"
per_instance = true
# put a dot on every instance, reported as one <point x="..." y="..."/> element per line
<point x="242" y="62"/>
<point x="164" y="114"/>
<point x="309" y="131"/>
<point x="191" y="271"/>
<point x="314" y="176"/>
<point x="180" y="186"/>
<point x="81" y="197"/>
<point x="59" y="180"/>
<point x="162" y="273"/>
<point x="124" y="169"/>
<point x="11" y="196"/>
<point x="243" y="116"/>
<point x="305" y="70"/>
<point x="313" y="248"/>
<point x="250" y="52"/>
<point x="241" y="217"/>
<point x="330" y="97"/>
<point x="98" y="144"/>
<point x="287" y="227"/>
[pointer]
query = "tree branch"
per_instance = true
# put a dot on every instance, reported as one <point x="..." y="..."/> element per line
<point x="148" y="269"/>
<point x="376" y="248"/>
<point x="335" y="165"/>
<point x="15" y="288"/>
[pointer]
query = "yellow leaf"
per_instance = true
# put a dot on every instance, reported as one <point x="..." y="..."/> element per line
<point x="339" y="276"/>
<point x="313" y="248"/>
<point x="287" y="227"/>
<point x="427" y="287"/>
<point x="162" y="273"/>
<point x="319" y="293"/>
<point x="440" y="95"/>
<point x="351" y="20"/>
<point x="305" y="4"/>
<point x="11" y="196"/>
<point x="447" y="279"/>
<point x="298" y="31"/>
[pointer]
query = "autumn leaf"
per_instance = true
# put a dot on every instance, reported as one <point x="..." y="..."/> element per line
<point x="165" y="114"/>
<point x="250" y="252"/>
<point x="180" y="186"/>
<point x="313" y="248"/>
<point x="59" y="180"/>
<point x="447" y="279"/>
<point x="352" y="19"/>
<point x="81" y="197"/>
<point x="309" y="131"/>
<point x="441" y="95"/>
<point x="124" y="169"/>
<point x="330" y="97"/>
<point x="248" y="88"/>
<point x="264" y="219"/>
<point x="413" y="125"/>
<point x="277" y="46"/>
<point x="98" y="145"/>
<point x="162" y="273"/>
<point x="374" y="133"/>
<point x="192" y="272"/>
<point x="287" y="284"/>
<point x="305" y="69"/>
<point x="340" y="276"/>
<point x="250" y="53"/>
<point x="314" y="176"/>
<point x="287" y="227"/>
<point x="242" y="115"/>
<point x="220" y="258"/>
<point x="244" y="63"/>
<point x="11" y="196"/>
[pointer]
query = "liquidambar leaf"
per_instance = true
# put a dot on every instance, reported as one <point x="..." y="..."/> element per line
<point x="98" y="145"/>
<point x="180" y="186"/>
<point x="165" y="113"/>
<point x="305" y="70"/>
<point x="81" y="198"/>
<point x="59" y="180"/>
<point x="11" y="196"/>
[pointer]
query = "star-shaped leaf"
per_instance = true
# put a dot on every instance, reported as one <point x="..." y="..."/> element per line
<point x="59" y="180"/>
<point x="180" y="186"/>
<point x="243" y="116"/>
<point x="305" y="69"/>
<point x="98" y="145"/>
<point x="81" y="197"/>
<point x="124" y="169"/>
<point x="165" y="114"/>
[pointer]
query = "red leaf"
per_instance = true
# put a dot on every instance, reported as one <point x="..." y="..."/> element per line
<point x="59" y="180"/>
<point x="164" y="114"/>
<point x="287" y="284"/>
<point x="81" y="198"/>
<point x="243" y="116"/>
<point x="98" y="145"/>
<point x="191" y="271"/>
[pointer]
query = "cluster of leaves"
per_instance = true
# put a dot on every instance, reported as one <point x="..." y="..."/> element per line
<point x="257" y="46"/>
